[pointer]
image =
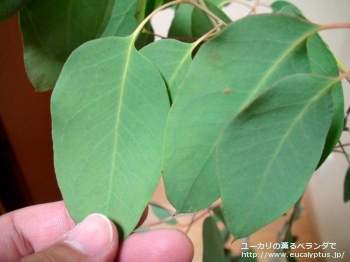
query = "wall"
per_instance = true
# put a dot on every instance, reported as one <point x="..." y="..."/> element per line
<point x="26" y="118"/>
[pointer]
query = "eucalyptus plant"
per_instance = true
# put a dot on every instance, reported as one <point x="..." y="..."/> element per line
<point x="241" y="111"/>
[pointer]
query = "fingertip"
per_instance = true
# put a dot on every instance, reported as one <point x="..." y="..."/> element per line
<point x="169" y="245"/>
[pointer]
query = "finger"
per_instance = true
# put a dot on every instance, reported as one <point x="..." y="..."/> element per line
<point x="32" y="229"/>
<point x="156" y="245"/>
<point x="94" y="239"/>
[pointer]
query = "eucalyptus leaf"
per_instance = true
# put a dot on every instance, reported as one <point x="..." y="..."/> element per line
<point x="181" y="26"/>
<point x="109" y="109"/>
<point x="226" y="74"/>
<point x="212" y="243"/>
<point x="172" y="58"/>
<point x="122" y="21"/>
<point x="278" y="5"/>
<point x="10" y="7"/>
<point x="347" y="186"/>
<point x="262" y="151"/>
<point x="53" y="32"/>
<point x="42" y="69"/>
<point x="220" y="3"/>
<point x="323" y="62"/>
<point x="140" y="12"/>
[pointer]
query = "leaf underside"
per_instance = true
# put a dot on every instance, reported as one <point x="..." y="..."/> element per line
<point x="108" y="110"/>
<point x="172" y="58"/>
<point x="323" y="62"/>
<point x="229" y="75"/>
<point x="212" y="244"/>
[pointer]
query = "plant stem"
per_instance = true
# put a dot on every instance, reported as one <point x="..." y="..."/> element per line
<point x="336" y="26"/>
<point x="344" y="152"/>
<point x="205" y="36"/>
<point x="342" y="71"/>
<point x="145" y="21"/>
<point x="344" y="75"/>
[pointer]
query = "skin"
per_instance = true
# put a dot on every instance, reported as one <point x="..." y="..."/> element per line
<point x="47" y="233"/>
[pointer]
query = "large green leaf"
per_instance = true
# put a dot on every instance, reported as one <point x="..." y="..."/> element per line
<point x="55" y="29"/>
<point x="225" y="75"/>
<point x="109" y="109"/>
<point x="261" y="153"/>
<point x="173" y="59"/>
<point x="122" y="21"/>
<point x="9" y="7"/>
<point x="212" y="244"/>
<point x="322" y="62"/>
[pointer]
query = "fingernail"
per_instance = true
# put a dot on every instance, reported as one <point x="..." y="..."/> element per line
<point x="92" y="236"/>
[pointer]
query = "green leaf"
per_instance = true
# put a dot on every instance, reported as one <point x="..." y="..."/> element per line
<point x="122" y="21"/>
<point x="226" y="74"/>
<point x="181" y="26"/>
<point x="219" y="3"/>
<point x="172" y="58"/>
<point x="140" y="13"/>
<point x="213" y="249"/>
<point x="10" y="7"/>
<point x="323" y="62"/>
<point x="162" y="213"/>
<point x="262" y="151"/>
<point x="278" y="5"/>
<point x="109" y="109"/>
<point x="347" y="186"/>
<point x="56" y="28"/>
<point x="201" y="23"/>
<point x="42" y="69"/>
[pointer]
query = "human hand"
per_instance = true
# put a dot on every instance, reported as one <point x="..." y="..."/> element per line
<point x="47" y="233"/>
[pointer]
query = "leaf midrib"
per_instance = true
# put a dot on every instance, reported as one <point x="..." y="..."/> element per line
<point x="123" y="84"/>
<point x="280" y="145"/>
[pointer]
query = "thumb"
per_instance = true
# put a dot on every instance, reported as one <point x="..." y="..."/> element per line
<point x="94" y="239"/>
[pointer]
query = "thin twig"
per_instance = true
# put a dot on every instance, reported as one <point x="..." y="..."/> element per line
<point x="344" y="152"/>
<point x="336" y="26"/>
